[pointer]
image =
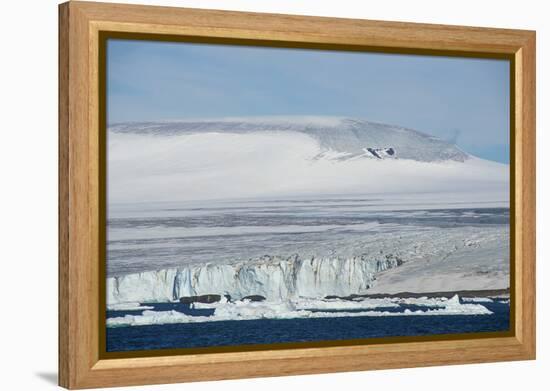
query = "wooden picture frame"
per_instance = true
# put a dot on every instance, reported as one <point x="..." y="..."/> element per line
<point x="82" y="161"/>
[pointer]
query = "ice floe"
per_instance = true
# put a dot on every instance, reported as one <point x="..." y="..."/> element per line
<point x="128" y="307"/>
<point x="246" y="310"/>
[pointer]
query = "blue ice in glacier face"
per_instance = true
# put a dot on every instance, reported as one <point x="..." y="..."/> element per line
<point x="274" y="278"/>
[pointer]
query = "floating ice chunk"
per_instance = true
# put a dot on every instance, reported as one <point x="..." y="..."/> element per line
<point x="477" y="299"/>
<point x="128" y="307"/>
<point x="217" y="304"/>
<point x="245" y="310"/>
<point x="257" y="310"/>
<point x="453" y="301"/>
<point x="154" y="317"/>
<point x="335" y="304"/>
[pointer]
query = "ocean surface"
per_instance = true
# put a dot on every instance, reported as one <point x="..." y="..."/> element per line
<point x="270" y="331"/>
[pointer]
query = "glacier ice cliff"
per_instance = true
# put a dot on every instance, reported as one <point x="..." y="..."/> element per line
<point x="275" y="278"/>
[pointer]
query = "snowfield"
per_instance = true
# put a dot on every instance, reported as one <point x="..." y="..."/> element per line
<point x="350" y="136"/>
<point x="202" y="160"/>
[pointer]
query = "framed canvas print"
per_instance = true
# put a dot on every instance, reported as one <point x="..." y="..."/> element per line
<point x="248" y="195"/>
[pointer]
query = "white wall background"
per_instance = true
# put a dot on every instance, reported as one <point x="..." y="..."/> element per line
<point x="28" y="155"/>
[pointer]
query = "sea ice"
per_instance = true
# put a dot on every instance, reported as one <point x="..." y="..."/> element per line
<point x="246" y="310"/>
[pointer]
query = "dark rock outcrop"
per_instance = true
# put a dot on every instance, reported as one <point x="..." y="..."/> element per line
<point x="448" y="294"/>
<point x="254" y="298"/>
<point x="200" y="299"/>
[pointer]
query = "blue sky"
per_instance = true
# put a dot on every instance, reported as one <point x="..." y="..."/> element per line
<point x="458" y="99"/>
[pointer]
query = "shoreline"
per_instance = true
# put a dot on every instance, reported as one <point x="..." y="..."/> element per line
<point x="447" y="294"/>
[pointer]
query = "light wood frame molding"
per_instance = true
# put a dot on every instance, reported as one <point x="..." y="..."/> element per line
<point x="80" y="25"/>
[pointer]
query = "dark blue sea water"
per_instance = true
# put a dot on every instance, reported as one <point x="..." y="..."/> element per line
<point x="272" y="331"/>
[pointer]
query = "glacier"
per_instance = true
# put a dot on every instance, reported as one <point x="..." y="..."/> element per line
<point x="392" y="258"/>
<point x="275" y="278"/>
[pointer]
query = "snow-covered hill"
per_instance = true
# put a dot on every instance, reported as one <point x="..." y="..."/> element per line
<point x="290" y="156"/>
<point x="346" y="136"/>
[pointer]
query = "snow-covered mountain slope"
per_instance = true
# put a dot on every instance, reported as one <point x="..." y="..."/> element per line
<point x="181" y="161"/>
<point x="346" y="136"/>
